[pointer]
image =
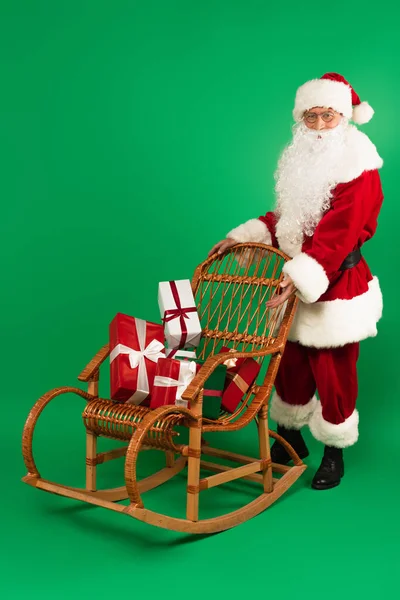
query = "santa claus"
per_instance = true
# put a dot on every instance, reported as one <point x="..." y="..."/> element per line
<point x="329" y="196"/>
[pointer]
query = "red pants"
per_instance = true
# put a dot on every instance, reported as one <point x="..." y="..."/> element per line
<point x="331" y="371"/>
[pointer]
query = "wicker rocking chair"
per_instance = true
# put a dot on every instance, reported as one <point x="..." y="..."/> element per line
<point x="230" y="290"/>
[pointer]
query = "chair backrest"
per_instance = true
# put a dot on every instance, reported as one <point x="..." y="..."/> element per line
<point x="231" y="291"/>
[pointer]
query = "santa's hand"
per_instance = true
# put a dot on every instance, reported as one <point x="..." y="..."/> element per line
<point x="222" y="246"/>
<point x="289" y="288"/>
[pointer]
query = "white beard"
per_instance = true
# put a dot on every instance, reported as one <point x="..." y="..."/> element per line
<point x="305" y="178"/>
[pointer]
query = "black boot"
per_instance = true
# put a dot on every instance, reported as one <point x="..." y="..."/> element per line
<point x="295" y="439"/>
<point x="330" y="471"/>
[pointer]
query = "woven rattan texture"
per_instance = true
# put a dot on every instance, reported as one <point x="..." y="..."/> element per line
<point x="231" y="292"/>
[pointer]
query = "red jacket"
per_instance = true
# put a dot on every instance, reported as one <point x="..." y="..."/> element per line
<point x="336" y="307"/>
<point x="350" y="222"/>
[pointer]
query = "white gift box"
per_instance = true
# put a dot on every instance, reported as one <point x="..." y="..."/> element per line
<point x="182" y="327"/>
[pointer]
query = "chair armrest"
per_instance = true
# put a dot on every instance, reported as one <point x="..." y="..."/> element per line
<point x="212" y="362"/>
<point x="90" y="372"/>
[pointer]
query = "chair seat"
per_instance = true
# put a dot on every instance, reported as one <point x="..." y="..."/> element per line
<point x="119" y="421"/>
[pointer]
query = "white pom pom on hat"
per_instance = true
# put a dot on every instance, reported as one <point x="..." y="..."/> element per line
<point x="332" y="91"/>
<point x="362" y="113"/>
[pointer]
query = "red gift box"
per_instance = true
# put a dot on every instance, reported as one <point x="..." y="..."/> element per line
<point x="240" y="376"/>
<point x="171" y="379"/>
<point x="136" y="345"/>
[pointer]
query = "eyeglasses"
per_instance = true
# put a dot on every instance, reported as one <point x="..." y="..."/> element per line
<point x="327" y="117"/>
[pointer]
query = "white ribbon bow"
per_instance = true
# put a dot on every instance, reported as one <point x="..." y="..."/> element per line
<point x="231" y="362"/>
<point x="187" y="371"/>
<point x="153" y="351"/>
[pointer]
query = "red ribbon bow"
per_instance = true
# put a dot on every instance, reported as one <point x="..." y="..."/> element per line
<point x="178" y="312"/>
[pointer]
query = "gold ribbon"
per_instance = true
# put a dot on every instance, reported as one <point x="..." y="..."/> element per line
<point x="239" y="381"/>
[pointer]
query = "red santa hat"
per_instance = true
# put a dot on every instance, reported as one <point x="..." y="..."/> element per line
<point x="332" y="91"/>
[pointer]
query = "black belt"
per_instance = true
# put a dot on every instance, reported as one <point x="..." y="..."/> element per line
<point x="351" y="260"/>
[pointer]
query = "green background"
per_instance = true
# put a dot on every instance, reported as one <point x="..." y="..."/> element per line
<point x="134" y="135"/>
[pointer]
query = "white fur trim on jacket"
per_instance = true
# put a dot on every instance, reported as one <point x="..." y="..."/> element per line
<point x="292" y="416"/>
<point x="251" y="231"/>
<point x="323" y="93"/>
<point x="308" y="276"/>
<point x="340" y="436"/>
<point x="360" y="155"/>
<point x="338" y="322"/>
